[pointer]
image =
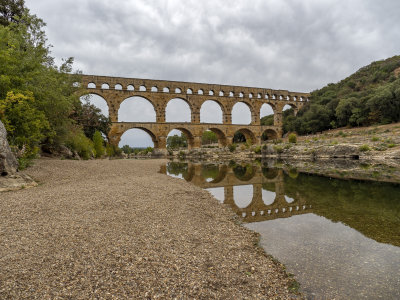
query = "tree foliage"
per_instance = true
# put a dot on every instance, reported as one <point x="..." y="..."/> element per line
<point x="98" y="144"/>
<point x="370" y="96"/>
<point x="176" y="141"/>
<point x="209" y="137"/>
<point x="91" y="119"/>
<point x="11" y="11"/>
<point x="39" y="100"/>
<point x="26" y="125"/>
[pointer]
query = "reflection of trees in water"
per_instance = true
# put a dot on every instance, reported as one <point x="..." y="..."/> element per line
<point x="210" y="171"/>
<point x="372" y="208"/>
<point x="177" y="168"/>
<point x="270" y="173"/>
<point x="269" y="186"/>
<point x="244" y="173"/>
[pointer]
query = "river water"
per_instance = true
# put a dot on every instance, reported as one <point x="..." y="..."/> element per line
<point x="340" y="238"/>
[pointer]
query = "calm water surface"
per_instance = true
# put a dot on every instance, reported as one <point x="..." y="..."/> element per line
<point x="341" y="238"/>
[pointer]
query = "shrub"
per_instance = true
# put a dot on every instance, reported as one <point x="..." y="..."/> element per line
<point x="257" y="150"/>
<point x="293" y="138"/>
<point x="375" y="139"/>
<point x="278" y="149"/>
<point x="391" y="145"/>
<point x="98" y="144"/>
<point x="364" y="148"/>
<point x="149" y="150"/>
<point x="77" y="141"/>
<point x="232" y="147"/>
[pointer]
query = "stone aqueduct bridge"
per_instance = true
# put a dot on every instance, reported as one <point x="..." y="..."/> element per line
<point x="257" y="210"/>
<point x="159" y="92"/>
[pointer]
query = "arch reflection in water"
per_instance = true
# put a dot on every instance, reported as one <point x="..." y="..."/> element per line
<point x="333" y="234"/>
<point x="253" y="193"/>
<point x="242" y="195"/>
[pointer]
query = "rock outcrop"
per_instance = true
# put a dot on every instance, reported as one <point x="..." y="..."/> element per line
<point x="8" y="163"/>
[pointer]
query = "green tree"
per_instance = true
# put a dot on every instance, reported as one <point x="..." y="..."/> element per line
<point x="98" y="144"/>
<point x="176" y="141"/>
<point x="209" y="137"/>
<point x="27" y="68"/>
<point x="127" y="149"/>
<point x="239" y="137"/>
<point x="11" y="11"/>
<point x="26" y="125"/>
<point x="91" y="119"/>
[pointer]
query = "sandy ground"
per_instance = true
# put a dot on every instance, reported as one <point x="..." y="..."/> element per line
<point x="116" y="229"/>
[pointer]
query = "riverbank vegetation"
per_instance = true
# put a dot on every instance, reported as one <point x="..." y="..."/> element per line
<point x="371" y="96"/>
<point x="39" y="101"/>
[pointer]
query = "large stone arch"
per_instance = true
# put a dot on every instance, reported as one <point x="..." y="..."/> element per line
<point x="222" y="140"/>
<point x="292" y="105"/>
<point x="255" y="115"/>
<point x="89" y="93"/>
<point x="220" y="104"/>
<point x="192" y="142"/>
<point x="132" y="99"/>
<point x="249" y="135"/>
<point x="269" y="134"/>
<point x="118" y="130"/>
<point x="179" y="98"/>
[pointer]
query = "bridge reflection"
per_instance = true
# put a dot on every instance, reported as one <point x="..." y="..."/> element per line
<point x="255" y="193"/>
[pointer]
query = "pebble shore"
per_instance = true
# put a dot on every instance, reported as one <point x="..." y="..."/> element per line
<point x="117" y="229"/>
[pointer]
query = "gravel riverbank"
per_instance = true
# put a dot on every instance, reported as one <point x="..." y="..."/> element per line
<point x="116" y="229"/>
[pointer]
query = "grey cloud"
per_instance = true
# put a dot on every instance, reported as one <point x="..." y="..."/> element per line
<point x="298" y="45"/>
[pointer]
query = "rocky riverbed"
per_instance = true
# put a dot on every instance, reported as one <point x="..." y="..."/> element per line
<point x="118" y="229"/>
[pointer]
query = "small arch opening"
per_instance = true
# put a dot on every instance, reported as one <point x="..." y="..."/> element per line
<point x="231" y="94"/>
<point x="240" y="95"/>
<point x="142" y="88"/>
<point x="130" y="87"/>
<point x="91" y="85"/>
<point x="105" y="86"/>
<point x="221" y="93"/>
<point x="189" y="91"/>
<point x="211" y="93"/>
<point x="200" y="92"/>
<point x="165" y="90"/>
<point x="118" y="87"/>
<point x="154" y="89"/>
<point x="178" y="91"/>
<point x="250" y="95"/>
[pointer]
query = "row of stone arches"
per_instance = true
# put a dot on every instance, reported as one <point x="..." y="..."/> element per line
<point x="142" y="109"/>
<point x="140" y="136"/>
<point x="199" y="91"/>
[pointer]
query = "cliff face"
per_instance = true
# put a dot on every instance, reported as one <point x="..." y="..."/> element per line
<point x="8" y="163"/>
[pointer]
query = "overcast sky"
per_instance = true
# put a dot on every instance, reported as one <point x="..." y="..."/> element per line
<point x="298" y="45"/>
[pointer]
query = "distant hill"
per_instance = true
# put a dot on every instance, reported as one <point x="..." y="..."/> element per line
<point x="369" y="96"/>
